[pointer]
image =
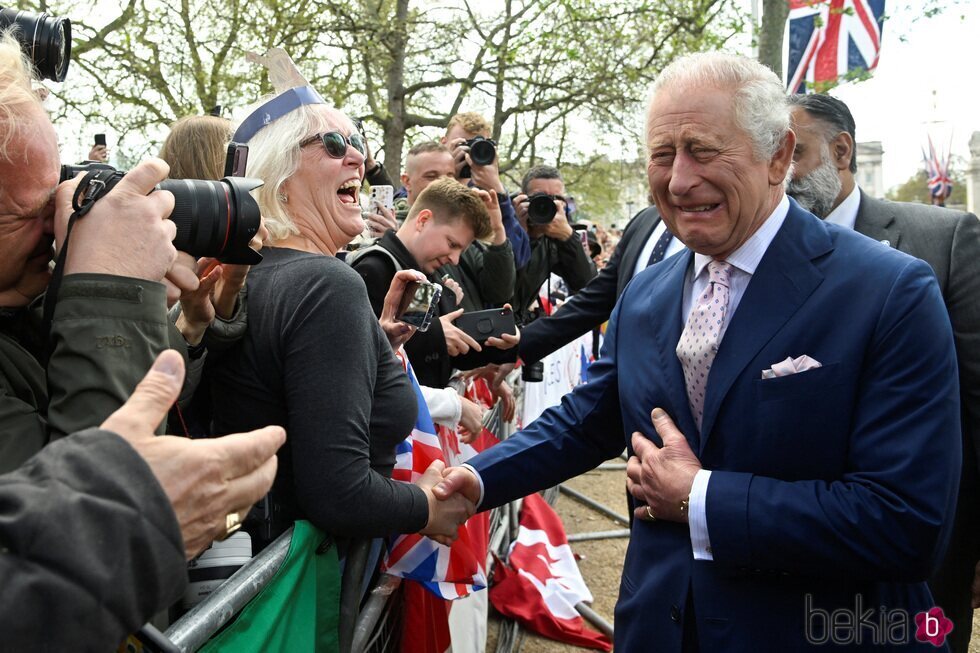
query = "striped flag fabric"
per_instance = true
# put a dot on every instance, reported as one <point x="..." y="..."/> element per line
<point x="449" y="572"/>
<point x="825" y="39"/>
<point x="937" y="169"/>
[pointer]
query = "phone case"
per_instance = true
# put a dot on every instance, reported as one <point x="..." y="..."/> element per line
<point x="491" y="323"/>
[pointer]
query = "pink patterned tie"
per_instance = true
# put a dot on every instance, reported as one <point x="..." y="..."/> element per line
<point x="699" y="342"/>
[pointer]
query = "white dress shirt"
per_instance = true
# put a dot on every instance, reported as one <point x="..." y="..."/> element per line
<point x="675" y="246"/>
<point x="846" y="212"/>
<point x="744" y="262"/>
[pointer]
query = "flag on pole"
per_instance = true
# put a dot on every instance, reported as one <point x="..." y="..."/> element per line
<point x="541" y="584"/>
<point x="825" y="39"/>
<point x="937" y="168"/>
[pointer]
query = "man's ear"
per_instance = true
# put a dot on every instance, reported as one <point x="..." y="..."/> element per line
<point x="423" y="217"/>
<point x="842" y="149"/>
<point x="782" y="159"/>
<point x="404" y="180"/>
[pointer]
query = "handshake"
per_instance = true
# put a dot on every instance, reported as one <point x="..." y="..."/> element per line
<point x="453" y="494"/>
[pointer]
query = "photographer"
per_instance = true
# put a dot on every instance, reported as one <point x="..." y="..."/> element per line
<point x="85" y="524"/>
<point x="485" y="272"/>
<point x="555" y="247"/>
<point x="463" y="130"/>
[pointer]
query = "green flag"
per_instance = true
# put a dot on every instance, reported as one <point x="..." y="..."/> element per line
<point x="298" y="610"/>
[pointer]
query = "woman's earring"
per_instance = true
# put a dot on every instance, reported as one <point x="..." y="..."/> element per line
<point x="281" y="196"/>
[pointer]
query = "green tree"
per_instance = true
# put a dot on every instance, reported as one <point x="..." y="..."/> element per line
<point x="539" y="69"/>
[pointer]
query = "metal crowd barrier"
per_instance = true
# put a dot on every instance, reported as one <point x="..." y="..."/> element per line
<point x="361" y="626"/>
<point x="193" y="630"/>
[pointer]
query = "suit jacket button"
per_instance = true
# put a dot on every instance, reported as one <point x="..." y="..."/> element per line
<point x="675" y="614"/>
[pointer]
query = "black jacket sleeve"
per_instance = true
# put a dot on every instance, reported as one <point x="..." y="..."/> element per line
<point x="585" y="310"/>
<point x="573" y="265"/>
<point x="90" y="548"/>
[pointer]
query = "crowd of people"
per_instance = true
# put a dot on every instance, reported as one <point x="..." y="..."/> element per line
<point x="795" y="380"/>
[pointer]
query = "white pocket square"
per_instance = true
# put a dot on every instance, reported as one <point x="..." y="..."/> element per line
<point x="791" y="366"/>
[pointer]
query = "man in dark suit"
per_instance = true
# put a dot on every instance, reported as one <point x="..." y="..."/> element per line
<point x="791" y="354"/>
<point x="645" y="241"/>
<point x="949" y="241"/>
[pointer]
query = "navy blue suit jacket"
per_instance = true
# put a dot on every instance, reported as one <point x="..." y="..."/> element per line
<point x="831" y="483"/>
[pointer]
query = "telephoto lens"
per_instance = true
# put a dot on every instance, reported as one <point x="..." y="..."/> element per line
<point x="541" y="208"/>
<point x="45" y="39"/>
<point x="217" y="219"/>
<point x="483" y="151"/>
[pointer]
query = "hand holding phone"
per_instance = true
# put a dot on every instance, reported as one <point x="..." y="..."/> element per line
<point x="419" y="304"/>
<point x="483" y="325"/>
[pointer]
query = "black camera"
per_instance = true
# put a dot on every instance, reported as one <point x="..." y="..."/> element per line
<point x="213" y="218"/>
<point x="483" y="152"/>
<point x="533" y="372"/>
<point x="541" y="208"/>
<point x="45" y="39"/>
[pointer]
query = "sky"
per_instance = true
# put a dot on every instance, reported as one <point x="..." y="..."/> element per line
<point x="926" y="81"/>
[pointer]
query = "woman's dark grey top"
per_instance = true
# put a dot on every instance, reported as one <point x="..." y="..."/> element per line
<point x="315" y="360"/>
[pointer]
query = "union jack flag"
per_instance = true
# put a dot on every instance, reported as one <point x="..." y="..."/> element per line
<point x="937" y="168"/>
<point x="825" y="39"/>
<point x="448" y="572"/>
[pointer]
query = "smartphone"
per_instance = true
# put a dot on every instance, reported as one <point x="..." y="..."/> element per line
<point x="236" y="160"/>
<point x="100" y="140"/>
<point x="419" y="304"/>
<point x="382" y="195"/>
<point x="491" y="323"/>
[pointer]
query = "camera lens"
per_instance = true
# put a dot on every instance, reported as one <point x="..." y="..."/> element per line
<point x="214" y="218"/>
<point x="533" y="372"/>
<point x="483" y="152"/>
<point x="45" y="39"/>
<point x="541" y="209"/>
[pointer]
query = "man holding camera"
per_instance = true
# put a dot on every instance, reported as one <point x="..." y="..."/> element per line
<point x="99" y="523"/>
<point x="485" y="271"/>
<point x="476" y="164"/>
<point x="555" y="247"/>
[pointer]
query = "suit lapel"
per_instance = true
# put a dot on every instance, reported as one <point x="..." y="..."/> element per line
<point x="783" y="281"/>
<point x="666" y="310"/>
<point x="874" y="220"/>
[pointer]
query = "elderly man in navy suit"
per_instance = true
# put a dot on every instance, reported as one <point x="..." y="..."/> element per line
<point x="799" y="479"/>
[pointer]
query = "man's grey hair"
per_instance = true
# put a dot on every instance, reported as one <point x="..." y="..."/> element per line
<point x="274" y="156"/>
<point x="17" y="96"/>
<point x="759" y="105"/>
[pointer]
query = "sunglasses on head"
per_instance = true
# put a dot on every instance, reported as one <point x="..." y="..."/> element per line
<point x="336" y="143"/>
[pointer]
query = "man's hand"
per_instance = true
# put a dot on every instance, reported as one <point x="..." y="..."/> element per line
<point x="558" y="228"/>
<point x="205" y="480"/>
<point x="380" y="222"/>
<point x="450" y="284"/>
<point x="398" y="332"/>
<point x="661" y="477"/>
<point x="127" y="232"/>
<point x="446" y="514"/>
<point x="471" y="420"/>
<point x="457" y="341"/>
<point x="492" y="203"/>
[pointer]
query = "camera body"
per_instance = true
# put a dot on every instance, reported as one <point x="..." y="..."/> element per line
<point x="214" y="218"/>
<point x="541" y="208"/>
<point x="483" y="152"/>
<point x="45" y="39"/>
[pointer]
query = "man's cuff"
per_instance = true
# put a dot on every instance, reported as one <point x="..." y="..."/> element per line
<point x="697" y="517"/>
<point x="479" y="478"/>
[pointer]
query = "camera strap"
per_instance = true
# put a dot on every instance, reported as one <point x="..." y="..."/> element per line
<point x="91" y="188"/>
